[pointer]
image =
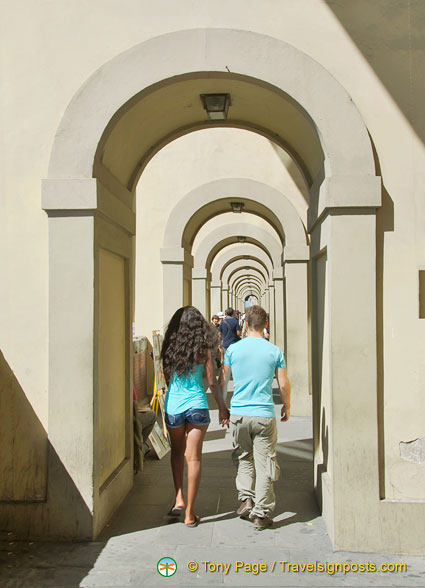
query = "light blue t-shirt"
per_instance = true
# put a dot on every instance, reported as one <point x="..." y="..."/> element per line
<point x="186" y="391"/>
<point x="253" y="362"/>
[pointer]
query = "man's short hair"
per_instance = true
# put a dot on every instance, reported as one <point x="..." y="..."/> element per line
<point x="229" y="311"/>
<point x="256" y="317"/>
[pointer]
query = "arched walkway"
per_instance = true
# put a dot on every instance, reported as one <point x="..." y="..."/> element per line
<point x="196" y="208"/>
<point x="243" y="267"/>
<point x="97" y="157"/>
<point x="210" y="247"/>
<point x="246" y="252"/>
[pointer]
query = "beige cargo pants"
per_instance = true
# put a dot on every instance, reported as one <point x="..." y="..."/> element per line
<point x="254" y="454"/>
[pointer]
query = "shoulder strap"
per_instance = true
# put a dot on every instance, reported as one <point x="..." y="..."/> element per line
<point x="230" y="328"/>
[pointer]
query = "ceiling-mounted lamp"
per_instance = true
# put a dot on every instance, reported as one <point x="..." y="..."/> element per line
<point x="241" y="239"/>
<point x="216" y="105"/>
<point x="237" y="207"/>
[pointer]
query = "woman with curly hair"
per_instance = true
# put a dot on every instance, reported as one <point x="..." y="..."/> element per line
<point x="186" y="354"/>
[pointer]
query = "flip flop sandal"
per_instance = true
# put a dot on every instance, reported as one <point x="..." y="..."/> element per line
<point x="195" y="522"/>
<point x="175" y="511"/>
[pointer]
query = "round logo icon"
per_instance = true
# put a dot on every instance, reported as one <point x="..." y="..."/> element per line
<point x="167" y="566"/>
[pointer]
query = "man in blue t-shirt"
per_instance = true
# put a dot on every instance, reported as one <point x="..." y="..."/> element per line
<point x="229" y="329"/>
<point x="254" y="362"/>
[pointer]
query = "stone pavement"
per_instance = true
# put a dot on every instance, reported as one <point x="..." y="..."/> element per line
<point x="140" y="534"/>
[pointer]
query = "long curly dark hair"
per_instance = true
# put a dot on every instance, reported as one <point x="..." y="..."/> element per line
<point x="186" y="341"/>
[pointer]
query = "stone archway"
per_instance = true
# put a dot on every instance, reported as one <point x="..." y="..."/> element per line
<point x="210" y="247"/>
<point x="242" y="264"/>
<point x="246" y="251"/>
<point x="88" y="197"/>
<point x="236" y="276"/>
<point x="215" y="197"/>
<point x="211" y="199"/>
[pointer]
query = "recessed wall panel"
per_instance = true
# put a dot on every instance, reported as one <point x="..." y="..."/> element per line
<point x="111" y="401"/>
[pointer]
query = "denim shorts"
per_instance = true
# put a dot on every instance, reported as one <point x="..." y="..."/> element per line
<point x="194" y="416"/>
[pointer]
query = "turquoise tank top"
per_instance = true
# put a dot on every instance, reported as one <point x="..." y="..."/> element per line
<point x="186" y="391"/>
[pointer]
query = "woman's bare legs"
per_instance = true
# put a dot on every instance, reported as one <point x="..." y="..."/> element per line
<point x="195" y="438"/>
<point x="178" y="447"/>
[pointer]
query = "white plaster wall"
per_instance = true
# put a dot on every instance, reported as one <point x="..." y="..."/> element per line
<point x="50" y="48"/>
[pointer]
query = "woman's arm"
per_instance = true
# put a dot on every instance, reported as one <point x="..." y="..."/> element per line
<point x="216" y="391"/>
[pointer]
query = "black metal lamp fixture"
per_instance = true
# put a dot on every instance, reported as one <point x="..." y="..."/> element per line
<point x="216" y="105"/>
<point x="237" y="206"/>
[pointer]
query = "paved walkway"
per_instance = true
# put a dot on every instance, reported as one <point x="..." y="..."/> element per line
<point x="140" y="533"/>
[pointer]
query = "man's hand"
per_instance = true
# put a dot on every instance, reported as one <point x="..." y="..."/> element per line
<point x="284" y="413"/>
<point x="285" y="393"/>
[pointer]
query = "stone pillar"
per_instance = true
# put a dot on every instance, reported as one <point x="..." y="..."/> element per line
<point x="266" y="300"/>
<point x="177" y="266"/>
<point x="238" y="303"/>
<point x="272" y="326"/>
<point x="297" y="337"/>
<point x="279" y="308"/>
<point x="215" y="297"/>
<point x="344" y="359"/>
<point x="200" y="280"/>
<point x="347" y="319"/>
<point x="225" y="298"/>
<point x="90" y="359"/>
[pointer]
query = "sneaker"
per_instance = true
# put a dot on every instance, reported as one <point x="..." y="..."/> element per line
<point x="261" y="523"/>
<point x="245" y="508"/>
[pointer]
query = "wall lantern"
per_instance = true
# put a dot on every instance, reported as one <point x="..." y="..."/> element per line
<point x="216" y="105"/>
<point x="241" y="239"/>
<point x="237" y="206"/>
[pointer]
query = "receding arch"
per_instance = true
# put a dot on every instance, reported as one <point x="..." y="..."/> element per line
<point x="250" y="274"/>
<point x="248" y="291"/>
<point x="227" y="234"/>
<point x="242" y="280"/>
<point x="213" y="198"/>
<point x="241" y="265"/>
<point x="233" y="252"/>
<point x="245" y="283"/>
<point x="244" y="262"/>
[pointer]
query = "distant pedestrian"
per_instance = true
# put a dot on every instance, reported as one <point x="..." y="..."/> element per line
<point x="186" y="354"/>
<point x="253" y="363"/>
<point x="216" y="354"/>
<point x="229" y="329"/>
<point x="243" y="327"/>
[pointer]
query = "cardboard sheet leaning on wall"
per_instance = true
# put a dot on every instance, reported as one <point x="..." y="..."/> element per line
<point x="159" y="438"/>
